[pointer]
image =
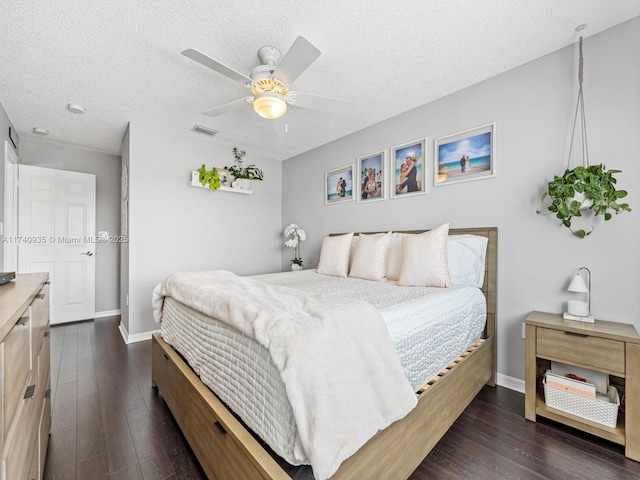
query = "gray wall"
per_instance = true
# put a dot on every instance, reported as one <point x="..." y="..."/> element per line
<point x="176" y="227"/>
<point x="5" y="123"/>
<point x="107" y="171"/>
<point x="533" y="106"/>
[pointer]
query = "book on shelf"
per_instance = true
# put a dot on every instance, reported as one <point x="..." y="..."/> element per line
<point x="570" y="385"/>
<point x="599" y="379"/>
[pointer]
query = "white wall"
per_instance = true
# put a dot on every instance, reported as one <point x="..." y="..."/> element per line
<point x="106" y="168"/>
<point x="175" y="227"/>
<point x="533" y="106"/>
<point x="5" y="123"/>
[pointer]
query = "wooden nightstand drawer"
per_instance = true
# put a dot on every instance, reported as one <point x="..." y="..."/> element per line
<point x="584" y="350"/>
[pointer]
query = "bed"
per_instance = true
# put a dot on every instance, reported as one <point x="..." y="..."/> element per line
<point x="226" y="448"/>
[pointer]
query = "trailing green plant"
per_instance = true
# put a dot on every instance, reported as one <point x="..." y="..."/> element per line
<point x="585" y="186"/>
<point x="250" y="172"/>
<point x="581" y="186"/>
<point x="210" y="176"/>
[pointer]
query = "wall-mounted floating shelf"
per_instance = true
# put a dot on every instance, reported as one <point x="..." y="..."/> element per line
<point x="223" y="189"/>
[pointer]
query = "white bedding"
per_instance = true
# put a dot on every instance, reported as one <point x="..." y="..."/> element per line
<point x="315" y="343"/>
<point x="429" y="328"/>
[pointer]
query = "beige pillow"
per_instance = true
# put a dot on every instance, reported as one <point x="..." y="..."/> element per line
<point x="334" y="255"/>
<point x="424" y="259"/>
<point x="370" y="257"/>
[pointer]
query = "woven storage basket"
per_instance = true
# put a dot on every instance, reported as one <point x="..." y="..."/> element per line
<point x="602" y="409"/>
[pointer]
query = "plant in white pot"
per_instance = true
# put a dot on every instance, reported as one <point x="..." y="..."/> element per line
<point x="294" y="235"/>
<point x="243" y="174"/>
<point x="590" y="188"/>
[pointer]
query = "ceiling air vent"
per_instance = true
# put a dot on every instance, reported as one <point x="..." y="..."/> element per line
<point x="205" y="130"/>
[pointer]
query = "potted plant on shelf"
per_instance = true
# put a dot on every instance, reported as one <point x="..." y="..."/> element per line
<point x="209" y="176"/>
<point x="584" y="187"/>
<point x="294" y="235"/>
<point x="242" y="174"/>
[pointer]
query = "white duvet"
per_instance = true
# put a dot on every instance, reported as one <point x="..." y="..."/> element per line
<point x="315" y="342"/>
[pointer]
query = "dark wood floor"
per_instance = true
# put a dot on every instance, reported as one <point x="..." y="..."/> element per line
<point x="109" y="423"/>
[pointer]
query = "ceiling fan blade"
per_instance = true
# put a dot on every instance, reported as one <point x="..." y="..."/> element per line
<point x="227" y="107"/>
<point x="317" y="102"/>
<point x="301" y="54"/>
<point x="202" y="59"/>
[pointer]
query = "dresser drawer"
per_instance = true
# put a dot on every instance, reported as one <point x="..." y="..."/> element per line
<point x="43" y="434"/>
<point x="44" y="368"/>
<point x="17" y="367"/>
<point x="583" y="350"/>
<point x="33" y="473"/>
<point x="21" y="444"/>
<point x="39" y="318"/>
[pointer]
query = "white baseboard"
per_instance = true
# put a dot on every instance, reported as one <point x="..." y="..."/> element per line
<point x="138" y="337"/>
<point x="510" y="382"/>
<point x="107" y="313"/>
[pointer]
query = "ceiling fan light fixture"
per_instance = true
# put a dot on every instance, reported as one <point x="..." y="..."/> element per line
<point x="269" y="105"/>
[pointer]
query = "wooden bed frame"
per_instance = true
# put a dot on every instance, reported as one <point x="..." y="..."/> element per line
<point x="226" y="449"/>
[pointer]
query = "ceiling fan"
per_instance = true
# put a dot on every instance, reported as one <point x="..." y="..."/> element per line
<point x="270" y="81"/>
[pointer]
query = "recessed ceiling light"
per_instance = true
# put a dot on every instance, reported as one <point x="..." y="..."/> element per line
<point x="41" y="131"/>
<point x="75" y="108"/>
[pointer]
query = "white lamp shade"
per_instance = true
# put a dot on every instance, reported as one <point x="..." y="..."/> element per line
<point x="269" y="105"/>
<point x="577" y="284"/>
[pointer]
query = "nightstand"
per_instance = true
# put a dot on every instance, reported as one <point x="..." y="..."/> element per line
<point x="609" y="347"/>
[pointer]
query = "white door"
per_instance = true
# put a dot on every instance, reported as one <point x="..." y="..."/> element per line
<point x="10" y="227"/>
<point x="56" y="228"/>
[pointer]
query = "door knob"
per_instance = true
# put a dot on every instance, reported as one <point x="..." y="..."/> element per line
<point x="87" y="253"/>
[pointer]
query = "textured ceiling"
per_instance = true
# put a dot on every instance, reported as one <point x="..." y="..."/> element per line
<point x="121" y="60"/>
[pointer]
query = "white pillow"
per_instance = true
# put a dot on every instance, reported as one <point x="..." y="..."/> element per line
<point x="370" y="257"/>
<point x="394" y="264"/>
<point x="466" y="256"/>
<point x="424" y="259"/>
<point x="354" y="244"/>
<point x="334" y="255"/>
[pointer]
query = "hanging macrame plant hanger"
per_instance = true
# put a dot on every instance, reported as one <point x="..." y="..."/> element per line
<point x="585" y="187"/>
<point x="583" y="121"/>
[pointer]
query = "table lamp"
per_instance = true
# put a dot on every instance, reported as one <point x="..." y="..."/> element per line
<point x="576" y="309"/>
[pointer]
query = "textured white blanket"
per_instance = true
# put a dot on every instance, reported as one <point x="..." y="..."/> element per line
<point x="341" y="372"/>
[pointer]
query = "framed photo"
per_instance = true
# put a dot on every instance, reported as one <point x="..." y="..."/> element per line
<point x="408" y="169"/>
<point x="465" y="156"/>
<point x="13" y="136"/>
<point x="338" y="185"/>
<point x="370" y="177"/>
<point x="225" y="177"/>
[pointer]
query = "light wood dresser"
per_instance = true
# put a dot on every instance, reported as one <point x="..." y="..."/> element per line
<point x="25" y="379"/>
<point x="609" y="347"/>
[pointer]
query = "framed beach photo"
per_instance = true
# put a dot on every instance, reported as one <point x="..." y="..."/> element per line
<point x="408" y="169"/>
<point x="338" y="185"/>
<point x="370" y="177"/>
<point x="465" y="156"/>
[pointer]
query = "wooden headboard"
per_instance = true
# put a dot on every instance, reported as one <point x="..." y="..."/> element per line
<point x="489" y="287"/>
